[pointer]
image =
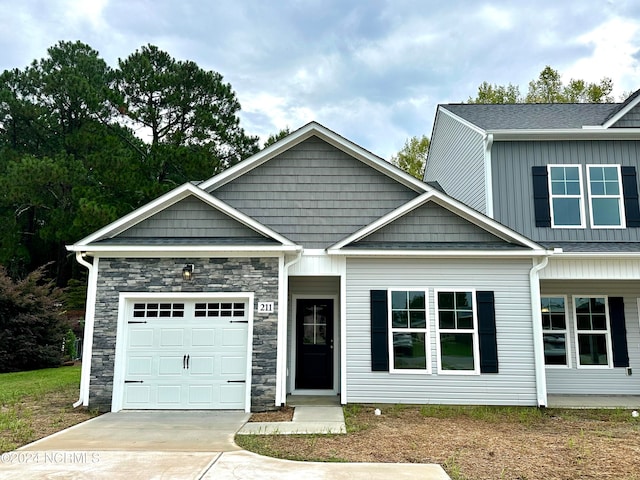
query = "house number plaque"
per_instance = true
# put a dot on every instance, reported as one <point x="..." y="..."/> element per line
<point x="265" y="307"/>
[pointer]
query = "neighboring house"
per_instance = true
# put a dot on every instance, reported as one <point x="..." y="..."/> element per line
<point x="563" y="175"/>
<point x="313" y="267"/>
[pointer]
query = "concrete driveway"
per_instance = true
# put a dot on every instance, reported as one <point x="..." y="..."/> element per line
<point x="136" y="445"/>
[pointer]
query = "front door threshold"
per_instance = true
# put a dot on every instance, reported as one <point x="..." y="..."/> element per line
<point x="314" y="392"/>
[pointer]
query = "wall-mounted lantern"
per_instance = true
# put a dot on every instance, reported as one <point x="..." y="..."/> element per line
<point x="187" y="272"/>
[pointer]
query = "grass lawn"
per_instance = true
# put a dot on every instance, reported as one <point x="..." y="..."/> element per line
<point x="476" y="443"/>
<point x="37" y="403"/>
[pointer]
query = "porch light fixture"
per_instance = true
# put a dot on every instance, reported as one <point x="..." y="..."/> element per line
<point x="187" y="272"/>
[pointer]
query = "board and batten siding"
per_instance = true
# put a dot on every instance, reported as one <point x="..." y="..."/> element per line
<point x="508" y="279"/>
<point x="456" y="161"/>
<point x="513" y="189"/>
<point x="431" y="223"/>
<point x="314" y="194"/>
<point x="191" y="218"/>
<point x="607" y="381"/>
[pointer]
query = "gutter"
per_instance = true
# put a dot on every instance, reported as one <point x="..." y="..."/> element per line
<point x="87" y="343"/>
<point x="538" y="343"/>
<point x="488" y="178"/>
<point x="281" y="355"/>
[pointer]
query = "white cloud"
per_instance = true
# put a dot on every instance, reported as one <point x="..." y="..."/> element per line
<point x="614" y="45"/>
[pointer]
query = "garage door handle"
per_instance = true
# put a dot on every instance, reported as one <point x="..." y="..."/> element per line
<point x="133" y="381"/>
<point x="187" y="362"/>
<point x="236" y="381"/>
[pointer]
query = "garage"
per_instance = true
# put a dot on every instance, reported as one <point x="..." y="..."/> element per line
<point x="186" y="354"/>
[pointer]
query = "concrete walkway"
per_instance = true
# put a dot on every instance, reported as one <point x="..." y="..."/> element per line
<point x="142" y="445"/>
<point x="306" y="420"/>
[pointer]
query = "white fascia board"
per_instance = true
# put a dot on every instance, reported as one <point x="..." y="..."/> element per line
<point x="360" y="252"/>
<point x="141" y="251"/>
<point x="603" y="255"/>
<point x="466" y="123"/>
<point x="169" y="199"/>
<point x="567" y="134"/>
<point x="309" y="130"/>
<point x="450" y="204"/>
<point x="621" y="113"/>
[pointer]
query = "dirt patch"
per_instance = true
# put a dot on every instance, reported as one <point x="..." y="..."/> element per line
<point x="39" y="417"/>
<point x="284" y="414"/>
<point x="552" y="446"/>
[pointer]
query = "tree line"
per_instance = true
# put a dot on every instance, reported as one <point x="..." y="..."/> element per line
<point x="547" y="88"/>
<point x="82" y="144"/>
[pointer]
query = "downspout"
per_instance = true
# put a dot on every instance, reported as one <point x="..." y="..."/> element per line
<point x="488" y="178"/>
<point x="281" y="361"/>
<point x="87" y="341"/>
<point x="538" y="343"/>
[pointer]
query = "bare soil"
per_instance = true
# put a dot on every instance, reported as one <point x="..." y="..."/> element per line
<point x="42" y="416"/>
<point x="549" y="445"/>
<point x="283" y="414"/>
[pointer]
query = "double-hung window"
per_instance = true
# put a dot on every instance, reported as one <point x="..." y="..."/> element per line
<point x="605" y="196"/>
<point x="565" y="187"/>
<point x="408" y="324"/>
<point x="593" y="336"/>
<point x="458" y="349"/>
<point x="554" y="330"/>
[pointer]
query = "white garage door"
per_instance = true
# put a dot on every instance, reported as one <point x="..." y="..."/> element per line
<point x="186" y="354"/>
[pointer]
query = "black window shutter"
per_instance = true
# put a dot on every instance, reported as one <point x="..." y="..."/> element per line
<point x="541" y="197"/>
<point x="618" y="332"/>
<point x="630" y="192"/>
<point x="379" y="331"/>
<point x="487" y="332"/>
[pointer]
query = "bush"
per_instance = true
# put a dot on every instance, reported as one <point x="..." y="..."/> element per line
<point x="32" y="327"/>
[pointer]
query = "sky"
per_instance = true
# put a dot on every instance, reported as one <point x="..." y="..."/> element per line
<point x="373" y="71"/>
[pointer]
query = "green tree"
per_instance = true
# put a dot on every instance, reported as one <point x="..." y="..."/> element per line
<point x="547" y="88"/>
<point x="31" y="323"/>
<point x="190" y="115"/>
<point x="413" y="155"/>
<point x="274" y="137"/>
<point x="488" y="93"/>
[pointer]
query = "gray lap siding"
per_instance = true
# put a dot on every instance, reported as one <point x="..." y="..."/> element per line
<point x="161" y="275"/>
<point x="508" y="279"/>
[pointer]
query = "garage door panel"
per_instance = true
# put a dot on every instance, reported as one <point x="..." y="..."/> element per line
<point x="140" y="365"/>
<point x="171" y="337"/>
<point x="234" y="337"/>
<point x="203" y="337"/>
<point x="201" y="365"/>
<point x="169" y="395"/>
<point x="200" y="395"/>
<point x="232" y="395"/>
<point x="230" y="365"/>
<point x="215" y="341"/>
<point x="140" y="337"/>
<point x="137" y="395"/>
<point x="170" y="365"/>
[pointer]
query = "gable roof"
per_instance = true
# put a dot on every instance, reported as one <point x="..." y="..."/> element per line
<point x="542" y="116"/>
<point x="533" y="116"/>
<point x="329" y="136"/>
<point x="93" y="241"/>
<point x="347" y="245"/>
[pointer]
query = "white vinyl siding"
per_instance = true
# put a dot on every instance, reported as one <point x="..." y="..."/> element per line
<point x="602" y="381"/>
<point x="508" y="279"/>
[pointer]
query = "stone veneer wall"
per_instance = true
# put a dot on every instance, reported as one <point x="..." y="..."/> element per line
<point x="156" y="275"/>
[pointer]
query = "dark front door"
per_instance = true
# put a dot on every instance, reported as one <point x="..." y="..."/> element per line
<point x="314" y="343"/>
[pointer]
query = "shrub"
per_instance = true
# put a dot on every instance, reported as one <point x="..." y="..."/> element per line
<point x="31" y="323"/>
